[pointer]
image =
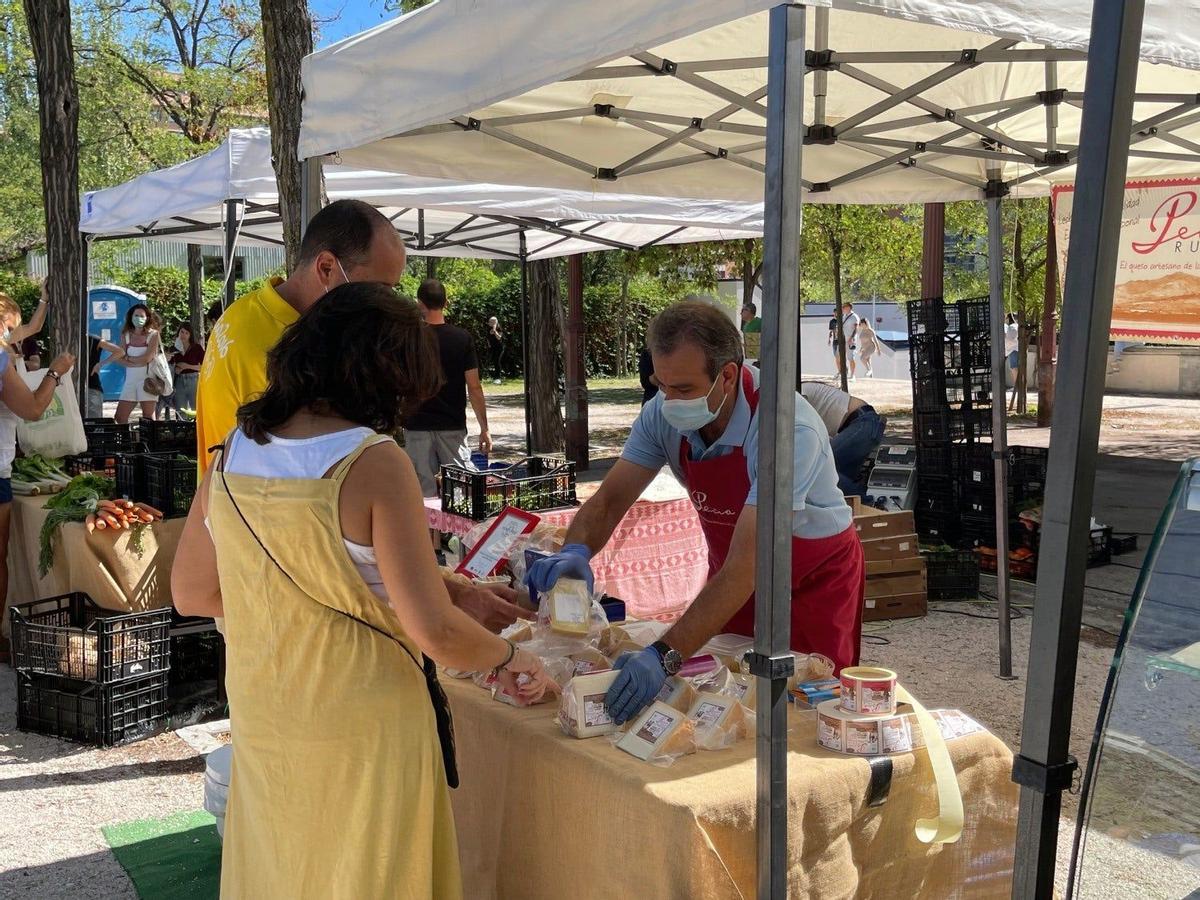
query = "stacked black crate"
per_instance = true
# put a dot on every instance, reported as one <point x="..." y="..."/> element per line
<point x="950" y="362"/>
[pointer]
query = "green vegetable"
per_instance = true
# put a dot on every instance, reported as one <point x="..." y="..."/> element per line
<point x="36" y="468"/>
<point x="76" y="502"/>
<point x="136" y="539"/>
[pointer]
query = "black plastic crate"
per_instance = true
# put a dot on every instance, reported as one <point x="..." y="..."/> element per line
<point x="106" y="434"/>
<point x="946" y="425"/>
<point x="131" y="475"/>
<point x="1100" y="546"/>
<point x="533" y="484"/>
<point x="1123" y="543"/>
<point x="970" y="315"/>
<point x="937" y="527"/>
<point x="936" y="493"/>
<point x="933" y="356"/>
<point x="72" y="637"/>
<point x="104" y="714"/>
<point x="937" y="460"/>
<point x="952" y="574"/>
<point x="926" y="316"/>
<point x="1027" y="472"/>
<point x="160" y="436"/>
<point x="100" y="461"/>
<point x="977" y="350"/>
<point x="170" y="483"/>
<point x="196" y="657"/>
<point x="977" y="530"/>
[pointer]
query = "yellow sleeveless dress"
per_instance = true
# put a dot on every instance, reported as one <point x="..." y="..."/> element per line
<point x="337" y="788"/>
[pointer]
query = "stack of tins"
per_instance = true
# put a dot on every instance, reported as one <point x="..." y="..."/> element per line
<point x="896" y="585"/>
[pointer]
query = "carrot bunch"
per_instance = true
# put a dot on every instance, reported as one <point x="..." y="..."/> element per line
<point x="116" y="515"/>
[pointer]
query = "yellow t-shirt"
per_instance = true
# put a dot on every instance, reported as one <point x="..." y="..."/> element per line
<point x="235" y="363"/>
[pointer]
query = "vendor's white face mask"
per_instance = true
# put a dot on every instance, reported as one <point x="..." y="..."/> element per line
<point x="693" y="414"/>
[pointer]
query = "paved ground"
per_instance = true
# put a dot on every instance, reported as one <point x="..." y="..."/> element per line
<point x="54" y="797"/>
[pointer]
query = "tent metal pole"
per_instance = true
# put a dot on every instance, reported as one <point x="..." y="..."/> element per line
<point x="771" y="661"/>
<point x="310" y="190"/>
<point x="1044" y="767"/>
<point x="233" y="218"/>
<point x="995" y="227"/>
<point x="524" y="251"/>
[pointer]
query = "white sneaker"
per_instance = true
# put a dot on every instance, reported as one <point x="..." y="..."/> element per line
<point x="852" y="379"/>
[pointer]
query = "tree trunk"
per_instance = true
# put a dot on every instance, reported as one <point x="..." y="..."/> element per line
<point x="287" y="38"/>
<point x="195" y="270"/>
<point x="1046" y="344"/>
<point x="749" y="276"/>
<point x="544" y="348"/>
<point x="576" y="365"/>
<point x="836" y="254"/>
<point x="1022" y="362"/>
<point x="623" y="340"/>
<point x="1019" y="387"/>
<point x="49" y="23"/>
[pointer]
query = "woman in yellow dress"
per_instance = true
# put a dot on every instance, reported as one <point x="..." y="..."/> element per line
<point x="308" y="535"/>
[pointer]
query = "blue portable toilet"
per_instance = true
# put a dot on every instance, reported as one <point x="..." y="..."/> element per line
<point x="107" y="307"/>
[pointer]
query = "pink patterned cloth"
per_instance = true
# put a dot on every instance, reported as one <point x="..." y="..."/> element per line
<point x="656" y="561"/>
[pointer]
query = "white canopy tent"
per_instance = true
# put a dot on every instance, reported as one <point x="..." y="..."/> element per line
<point x="666" y="99"/>
<point x="194" y="201"/>
<point x="910" y="101"/>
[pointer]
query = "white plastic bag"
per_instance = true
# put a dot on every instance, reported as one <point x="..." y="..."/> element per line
<point x="159" y="368"/>
<point x="59" y="432"/>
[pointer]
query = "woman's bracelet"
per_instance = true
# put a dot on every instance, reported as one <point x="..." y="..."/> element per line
<point x="512" y="651"/>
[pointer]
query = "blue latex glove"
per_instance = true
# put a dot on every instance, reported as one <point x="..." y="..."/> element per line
<point x="642" y="677"/>
<point x="572" y="561"/>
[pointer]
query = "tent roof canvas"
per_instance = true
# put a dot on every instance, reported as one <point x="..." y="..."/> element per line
<point x="926" y="100"/>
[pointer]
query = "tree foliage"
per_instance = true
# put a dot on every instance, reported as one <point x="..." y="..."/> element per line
<point x="857" y="252"/>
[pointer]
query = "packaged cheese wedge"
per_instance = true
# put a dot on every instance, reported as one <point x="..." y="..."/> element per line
<point x="570" y="606"/>
<point x="582" y="713"/>
<point x="720" y="721"/>
<point x="678" y="693"/>
<point x="590" y="660"/>
<point x="660" y="735"/>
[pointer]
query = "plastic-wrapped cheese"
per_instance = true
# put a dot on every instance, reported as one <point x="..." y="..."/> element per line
<point x="570" y="606"/>
<point x="582" y="713"/>
<point x="590" y="660"/>
<point x="660" y="733"/>
<point x="678" y="693"/>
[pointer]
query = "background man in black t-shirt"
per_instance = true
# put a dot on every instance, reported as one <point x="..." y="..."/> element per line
<point x="436" y="434"/>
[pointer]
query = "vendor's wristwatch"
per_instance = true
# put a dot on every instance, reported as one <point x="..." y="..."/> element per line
<point x="672" y="660"/>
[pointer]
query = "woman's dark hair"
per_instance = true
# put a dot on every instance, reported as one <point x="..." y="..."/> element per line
<point x="361" y="352"/>
<point x="129" y="326"/>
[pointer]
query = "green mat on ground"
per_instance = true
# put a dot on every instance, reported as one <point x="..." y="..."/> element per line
<point x="175" y="857"/>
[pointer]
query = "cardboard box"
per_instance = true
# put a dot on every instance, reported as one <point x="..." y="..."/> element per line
<point x="903" y="546"/>
<point x="906" y="606"/>
<point x="873" y="525"/>
<point x="893" y="566"/>
<point x="895" y="585"/>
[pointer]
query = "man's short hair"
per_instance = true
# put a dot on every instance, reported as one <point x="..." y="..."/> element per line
<point x="432" y="294"/>
<point x="753" y="309"/>
<point x="345" y="228"/>
<point x="700" y="322"/>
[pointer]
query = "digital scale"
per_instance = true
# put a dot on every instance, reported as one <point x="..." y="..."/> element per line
<point x="893" y="482"/>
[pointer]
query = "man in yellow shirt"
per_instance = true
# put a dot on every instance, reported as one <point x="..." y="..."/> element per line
<point x="346" y="241"/>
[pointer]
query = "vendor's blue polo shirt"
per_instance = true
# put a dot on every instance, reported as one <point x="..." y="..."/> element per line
<point x="818" y="507"/>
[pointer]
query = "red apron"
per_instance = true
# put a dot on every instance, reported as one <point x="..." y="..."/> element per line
<point x="828" y="574"/>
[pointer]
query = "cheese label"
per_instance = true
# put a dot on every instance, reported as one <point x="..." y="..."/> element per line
<point x="656" y="725"/>
<point x="896" y="735"/>
<point x="595" y="713"/>
<point x="708" y="713"/>
<point x="862" y="737"/>
<point x="829" y="732"/>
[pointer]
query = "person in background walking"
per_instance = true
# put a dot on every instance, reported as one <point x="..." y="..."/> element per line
<point x="751" y="333"/>
<point x="495" y="339"/>
<point x="833" y="345"/>
<point x="868" y="345"/>
<point x="95" y="390"/>
<point x="850" y="320"/>
<point x="436" y="434"/>
<point x="185" y="363"/>
<point x="1012" y="355"/>
<point x="140" y="341"/>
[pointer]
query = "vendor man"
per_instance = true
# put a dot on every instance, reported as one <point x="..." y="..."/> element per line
<point x="704" y="425"/>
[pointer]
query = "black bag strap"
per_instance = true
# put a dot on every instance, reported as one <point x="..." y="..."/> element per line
<point x="437" y="696"/>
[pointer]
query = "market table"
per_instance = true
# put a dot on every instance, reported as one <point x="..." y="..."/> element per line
<point x="656" y="560"/>
<point x="542" y="815"/>
<point x="102" y="564"/>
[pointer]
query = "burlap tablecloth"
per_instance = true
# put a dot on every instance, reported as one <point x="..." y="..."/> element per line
<point x="542" y="815"/>
<point x="656" y="560"/>
<point x="101" y="564"/>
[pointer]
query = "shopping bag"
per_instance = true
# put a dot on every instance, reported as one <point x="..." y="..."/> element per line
<point x="158" y="377"/>
<point x="59" y="432"/>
